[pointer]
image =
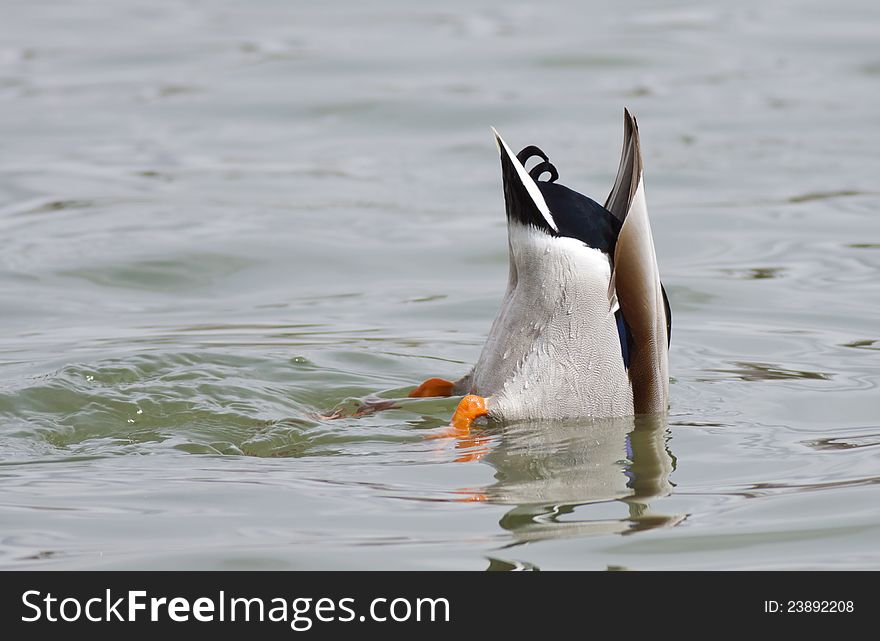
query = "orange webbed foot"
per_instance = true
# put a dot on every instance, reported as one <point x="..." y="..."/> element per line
<point x="469" y="409"/>
<point x="433" y="387"/>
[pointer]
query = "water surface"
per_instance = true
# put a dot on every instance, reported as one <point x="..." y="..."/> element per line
<point x="221" y="221"/>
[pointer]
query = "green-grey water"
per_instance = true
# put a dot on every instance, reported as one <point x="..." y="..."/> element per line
<point x="221" y="221"/>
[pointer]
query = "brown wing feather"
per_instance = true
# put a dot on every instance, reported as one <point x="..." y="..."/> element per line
<point x="636" y="278"/>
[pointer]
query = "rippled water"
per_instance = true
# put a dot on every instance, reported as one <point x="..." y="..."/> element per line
<point x="221" y="221"/>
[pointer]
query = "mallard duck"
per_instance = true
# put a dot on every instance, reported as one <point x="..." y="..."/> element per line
<point x="584" y="327"/>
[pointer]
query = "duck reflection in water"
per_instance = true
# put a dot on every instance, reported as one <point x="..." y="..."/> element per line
<point x="566" y="481"/>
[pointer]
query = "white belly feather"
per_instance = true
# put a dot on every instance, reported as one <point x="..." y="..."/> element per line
<point x="553" y="351"/>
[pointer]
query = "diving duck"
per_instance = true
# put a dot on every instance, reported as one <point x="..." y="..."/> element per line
<point x="584" y="327"/>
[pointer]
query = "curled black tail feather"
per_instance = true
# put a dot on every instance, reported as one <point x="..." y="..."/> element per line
<point x="545" y="166"/>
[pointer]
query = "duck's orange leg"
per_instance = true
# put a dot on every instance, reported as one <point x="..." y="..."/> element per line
<point x="433" y="387"/>
<point x="469" y="409"/>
